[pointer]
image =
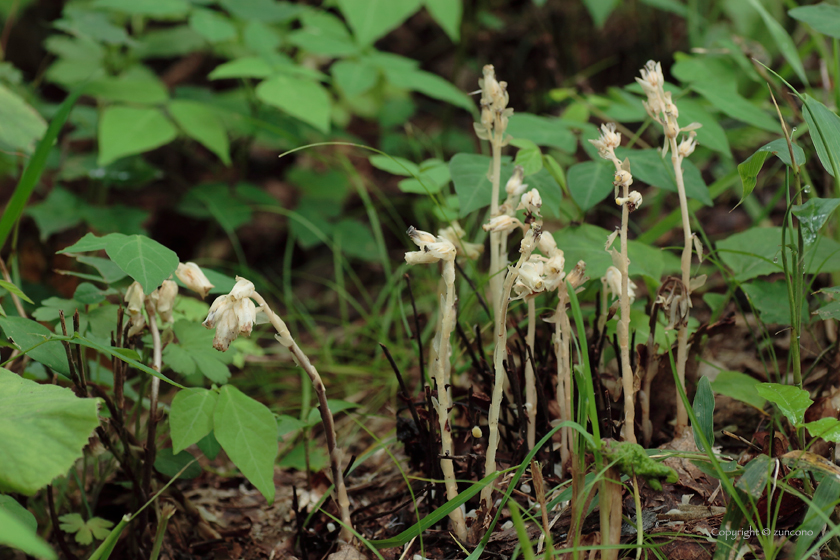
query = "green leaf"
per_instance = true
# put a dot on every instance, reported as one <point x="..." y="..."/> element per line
<point x="779" y="148"/>
<point x="813" y="215"/>
<point x="267" y="11"/>
<point x="85" y="531"/>
<point x="144" y="259"/>
<point x="704" y="409"/>
<point x="448" y="15"/>
<point x="529" y="155"/>
<point x="88" y="294"/>
<point x="470" y="176"/>
<point x="11" y="288"/>
<point x="146" y="91"/>
<point x="431" y="85"/>
<point x="432" y="176"/>
<point x="711" y="135"/>
<point x="109" y="271"/>
<point x="600" y="10"/>
<point x="169" y="463"/>
<point x="34" y="168"/>
<point x="43" y="429"/>
<point x="395" y="165"/>
<point x="823" y="17"/>
<point x="11" y="507"/>
<point x="590" y="182"/>
<point x="301" y="98"/>
<point x="27" y="333"/>
<point x="738" y="386"/>
<point x="169" y="42"/>
<point x="650" y="167"/>
<point x="86" y="244"/>
<point x="115" y="218"/>
<point x="153" y="8"/>
<point x="825" y="498"/>
<point x="748" y="171"/>
<point x="354" y="78"/>
<point x="826" y="428"/>
<point x="355" y="239"/>
<point x="16" y="534"/>
<point x="372" y="19"/>
<point x="249" y="67"/>
<point x="824" y="128"/>
<point x="191" y="416"/>
<point x="543" y="131"/>
<point x="212" y="25"/>
<point x="194" y="349"/>
<point x="20" y="124"/>
<point x="791" y="401"/>
<point x="771" y="300"/>
<point x="247" y="431"/>
<point x="202" y="123"/>
<point x="209" y="446"/>
<point x="753" y="481"/>
<point x="217" y="201"/>
<point x="757" y="251"/>
<point x="59" y="211"/>
<point x="125" y="131"/>
<point x="91" y="24"/>
<point x="725" y="97"/>
<point x="829" y="311"/>
<point x="782" y="40"/>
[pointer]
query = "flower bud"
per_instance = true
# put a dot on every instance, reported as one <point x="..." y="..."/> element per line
<point x="164" y="299"/>
<point x="502" y="223"/>
<point x="193" y="278"/>
<point x="531" y="202"/>
<point x="243" y="288"/>
<point x="420" y="237"/>
<point x="514" y="186"/>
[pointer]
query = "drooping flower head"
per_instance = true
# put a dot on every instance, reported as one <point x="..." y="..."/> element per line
<point x="193" y="278"/>
<point x="232" y="314"/>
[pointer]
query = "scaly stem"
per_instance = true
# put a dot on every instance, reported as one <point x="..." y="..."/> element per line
<point x="624" y="330"/>
<point x="157" y="362"/>
<point x="496" y="277"/>
<point x="443" y="405"/>
<point x="530" y="384"/>
<point x="499" y="352"/>
<point x="685" y="267"/>
<point x="326" y="414"/>
<point x="562" y="349"/>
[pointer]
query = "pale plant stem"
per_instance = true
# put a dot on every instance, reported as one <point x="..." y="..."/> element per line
<point x="495" y="237"/>
<point x="326" y="415"/>
<point x="685" y="267"/>
<point x="639" y="519"/>
<point x="499" y="351"/>
<point x="564" y="371"/>
<point x="530" y="384"/>
<point x="157" y="363"/>
<point x="443" y="404"/>
<point x="624" y="329"/>
<point x="610" y="506"/>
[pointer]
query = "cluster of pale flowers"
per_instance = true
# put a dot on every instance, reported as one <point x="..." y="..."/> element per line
<point x="163" y="298"/>
<point x="232" y="314"/>
<point x="661" y="108"/>
<point x="494" y="100"/>
<point x="517" y="199"/>
<point x="606" y="143"/>
<point x="612" y="283"/>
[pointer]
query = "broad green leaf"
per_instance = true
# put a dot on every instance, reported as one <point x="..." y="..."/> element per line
<point x="27" y="333"/>
<point x="824" y="128"/>
<point x="43" y="429"/>
<point x="9" y="287"/>
<point x="10" y="506"/>
<point x="528" y="156"/>
<point x="550" y="192"/>
<point x="86" y="244"/>
<point x="324" y="34"/>
<point x="770" y="299"/>
<point x="34" y="168"/>
<point x="372" y="19"/>
<point x="194" y="349"/>
<point x="813" y="215"/>
<point x="432" y="176"/>
<point x="144" y="259"/>
<point x="18" y="535"/>
<point x="739" y="386"/>
<point x="169" y="463"/>
<point x="791" y="401"/>
<point x="448" y="15"/>
<point x="109" y="271"/>
<point x="753" y="481"/>
<point x="191" y="416"/>
<point x="212" y="25"/>
<point x="88" y="294"/>
<point x="395" y="165"/>
<point x="711" y="135"/>
<point x="757" y="251"/>
<point x="169" y="42"/>
<point x="267" y="11"/>
<point x="59" y="211"/>
<point x="590" y="183"/>
<point x="125" y="131"/>
<point x="20" y="124"/>
<point x="247" y="431"/>
<point x="303" y="99"/>
<point x="335" y="406"/>
<point x="586" y="242"/>
<point x="725" y="97"/>
<point x="824" y="499"/>
<point x="748" y="170"/>
<point x="826" y="428"/>
<point x="249" y="67"/>
<point x="779" y="148"/>
<point x="354" y="78"/>
<point x="85" y="531"/>
<point x="115" y="218"/>
<point x="600" y="10"/>
<point x="829" y="311"/>
<point x="151" y="8"/>
<point x="672" y="6"/>
<point x="92" y="24"/>
<point x="543" y="131"/>
<point x="209" y="446"/>
<point x="782" y="40"/>
<point x="202" y="123"/>
<point x="650" y="167"/>
<point x="823" y="17"/>
<point x="431" y="85"/>
<point x="217" y="201"/>
<point x="146" y="91"/>
<point x="704" y="409"/>
<point x="470" y="176"/>
<point x="355" y="239"/>
<point x="286" y="424"/>
<point x="261" y="38"/>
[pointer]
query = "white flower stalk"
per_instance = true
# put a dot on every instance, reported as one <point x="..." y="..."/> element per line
<point x="629" y="201"/>
<point x="163" y="299"/>
<point x="134" y="298"/>
<point x="193" y="278"/>
<point x="527" y="246"/>
<point x="494" y="121"/>
<point x="444" y="251"/>
<point x="235" y="314"/>
<point x="661" y="108"/>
